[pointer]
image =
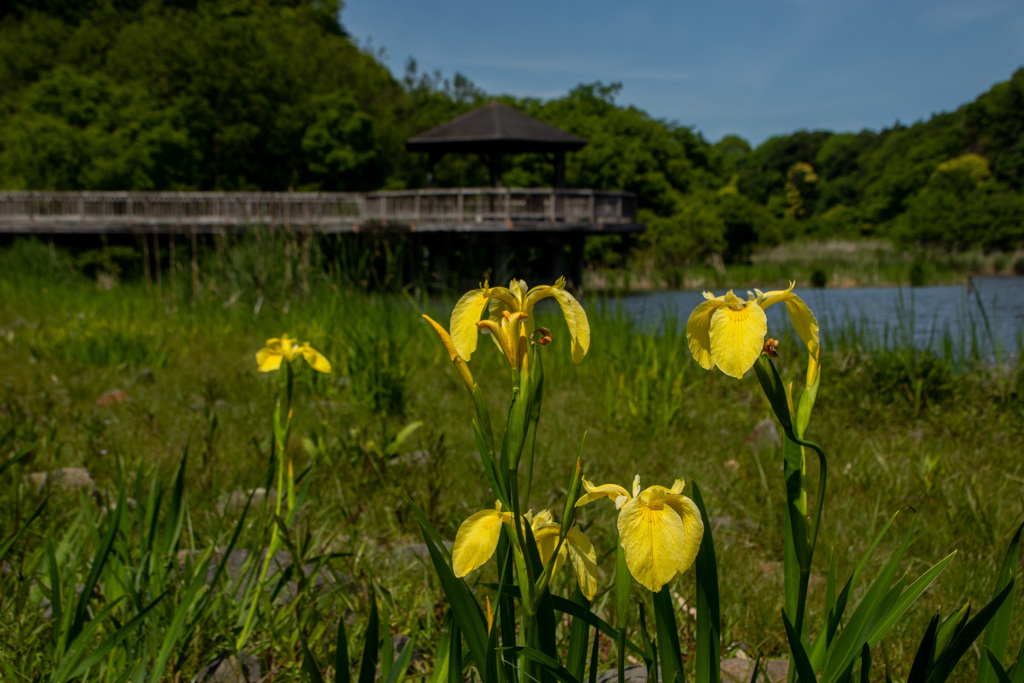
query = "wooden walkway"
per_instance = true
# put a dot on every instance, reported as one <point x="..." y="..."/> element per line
<point x="449" y="210"/>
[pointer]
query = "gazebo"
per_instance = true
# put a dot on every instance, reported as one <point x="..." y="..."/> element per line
<point x="494" y="131"/>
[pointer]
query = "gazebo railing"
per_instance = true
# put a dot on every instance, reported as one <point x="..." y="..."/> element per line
<point x="87" y="211"/>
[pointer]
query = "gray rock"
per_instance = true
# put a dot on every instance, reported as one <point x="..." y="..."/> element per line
<point x="67" y="478"/>
<point x="109" y="499"/>
<point x="228" y="669"/>
<point x="740" y="670"/>
<point x="420" y="458"/>
<point x="241" y="568"/>
<point x="637" y="673"/>
<point x="144" y="376"/>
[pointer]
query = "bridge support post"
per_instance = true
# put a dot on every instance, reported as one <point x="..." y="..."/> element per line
<point x="195" y="265"/>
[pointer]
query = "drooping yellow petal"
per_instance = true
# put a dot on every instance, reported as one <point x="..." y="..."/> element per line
<point x="613" y="492"/>
<point x="653" y="537"/>
<point x="539" y="293"/>
<point x="698" y="331"/>
<point x="804" y="322"/>
<point x="572" y="311"/>
<point x="576" y="319"/>
<point x="692" y="525"/>
<point x="737" y="337"/>
<point x="545" y="535"/>
<point x="577" y="547"/>
<point x="465" y="316"/>
<point x="584" y="561"/>
<point x="476" y="541"/>
<point x="453" y="355"/>
<point x="268" y="360"/>
<point x="546" y="538"/>
<point x="315" y="359"/>
<point x="770" y="298"/>
<point x="446" y="338"/>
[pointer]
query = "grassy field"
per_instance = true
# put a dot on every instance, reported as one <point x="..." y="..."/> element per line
<point x="155" y="391"/>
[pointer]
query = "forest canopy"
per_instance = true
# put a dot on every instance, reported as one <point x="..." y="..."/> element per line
<point x="275" y="95"/>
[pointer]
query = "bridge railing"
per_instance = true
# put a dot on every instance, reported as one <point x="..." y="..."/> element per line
<point x="86" y="211"/>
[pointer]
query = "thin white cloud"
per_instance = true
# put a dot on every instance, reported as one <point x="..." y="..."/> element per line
<point x="587" y="68"/>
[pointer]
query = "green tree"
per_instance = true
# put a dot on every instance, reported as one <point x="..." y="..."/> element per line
<point x="800" y="181"/>
<point x="340" y="146"/>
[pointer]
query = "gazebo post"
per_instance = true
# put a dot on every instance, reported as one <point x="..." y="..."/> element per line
<point x="495" y="165"/>
<point x="432" y="159"/>
<point x="559" y="176"/>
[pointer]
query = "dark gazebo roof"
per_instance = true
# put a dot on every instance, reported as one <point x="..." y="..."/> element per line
<point x="494" y="128"/>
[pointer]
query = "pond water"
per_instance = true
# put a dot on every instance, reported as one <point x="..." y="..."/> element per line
<point x="987" y="316"/>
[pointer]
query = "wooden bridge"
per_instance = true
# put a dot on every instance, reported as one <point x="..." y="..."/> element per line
<point x="449" y="210"/>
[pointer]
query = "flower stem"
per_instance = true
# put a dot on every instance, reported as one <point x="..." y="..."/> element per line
<point x="278" y="455"/>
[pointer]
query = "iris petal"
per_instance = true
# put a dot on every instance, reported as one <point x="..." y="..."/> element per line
<point x="692" y="524"/>
<point x="804" y="322"/>
<point x="546" y="538"/>
<point x="584" y="562"/>
<point x="476" y="541"/>
<point x="576" y="319"/>
<point x="775" y="296"/>
<point x="268" y="360"/>
<point x="737" y="337"/>
<point x="800" y="315"/>
<point x="446" y="338"/>
<point x="465" y="316"/>
<point x="698" y="331"/>
<point x="611" y="491"/>
<point x="652" y="535"/>
<point x="315" y="359"/>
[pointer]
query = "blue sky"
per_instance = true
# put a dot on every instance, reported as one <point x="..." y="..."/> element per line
<point x="750" y="68"/>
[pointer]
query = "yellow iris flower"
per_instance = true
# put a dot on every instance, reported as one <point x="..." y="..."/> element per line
<point x="269" y="357"/>
<point x="510" y="320"/>
<point x="477" y="539"/>
<point x="660" y="529"/>
<point x="728" y="332"/>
